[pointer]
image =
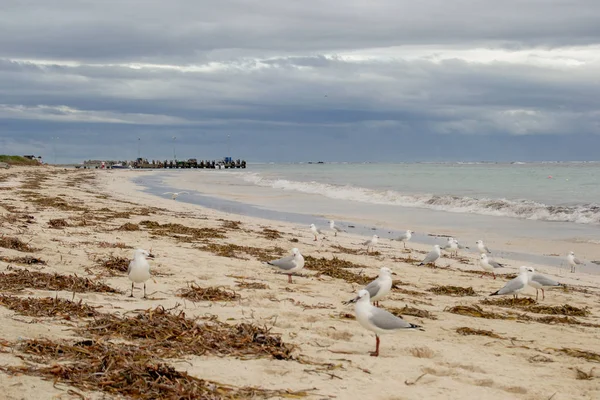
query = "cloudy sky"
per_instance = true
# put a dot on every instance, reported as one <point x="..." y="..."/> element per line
<point x="300" y="80"/>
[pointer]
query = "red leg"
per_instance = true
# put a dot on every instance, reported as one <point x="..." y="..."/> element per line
<point x="376" y="352"/>
<point x="543" y="294"/>
<point x="289" y="278"/>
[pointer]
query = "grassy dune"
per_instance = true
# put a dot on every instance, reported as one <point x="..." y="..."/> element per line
<point x="17" y="160"/>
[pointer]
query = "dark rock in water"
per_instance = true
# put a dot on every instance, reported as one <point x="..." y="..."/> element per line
<point x="351" y="226"/>
<point x="373" y="229"/>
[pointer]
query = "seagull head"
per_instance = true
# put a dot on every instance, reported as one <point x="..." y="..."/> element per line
<point x="386" y="271"/>
<point x="142" y="253"/>
<point x="479" y="242"/>
<point x="375" y="237"/>
<point x="295" y="251"/>
<point x="571" y="253"/>
<point x="483" y="256"/>
<point x="362" y="296"/>
<point x="312" y="226"/>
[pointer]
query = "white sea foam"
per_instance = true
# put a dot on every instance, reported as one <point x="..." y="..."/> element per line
<point x="524" y="209"/>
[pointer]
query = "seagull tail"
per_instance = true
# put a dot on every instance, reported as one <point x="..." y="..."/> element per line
<point x="417" y="327"/>
<point x="420" y="264"/>
<point x="495" y="293"/>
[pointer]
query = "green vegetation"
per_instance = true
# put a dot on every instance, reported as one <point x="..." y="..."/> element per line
<point x="17" y="160"/>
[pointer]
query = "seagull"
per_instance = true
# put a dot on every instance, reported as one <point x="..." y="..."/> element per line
<point x="405" y="237"/>
<point x="315" y="231"/>
<point x="371" y="242"/>
<point x="539" y="281"/>
<point x="289" y="264"/>
<point x="573" y="261"/>
<point x="380" y="287"/>
<point x="482" y="247"/>
<point x="433" y="256"/>
<point x="139" y="269"/>
<point x="334" y="228"/>
<point x="174" y="195"/>
<point x="451" y="246"/>
<point x="517" y="285"/>
<point x="378" y="320"/>
<point x="488" y="264"/>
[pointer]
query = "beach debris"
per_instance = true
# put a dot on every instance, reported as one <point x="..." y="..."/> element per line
<point x="189" y="233"/>
<point x="271" y="234"/>
<point x="346" y="250"/>
<point x="412" y="311"/>
<point x="466" y="331"/>
<point x="47" y="307"/>
<point x="229" y="224"/>
<point x="337" y="268"/>
<point x="19" y="279"/>
<point x="236" y="251"/>
<point x="582" y="375"/>
<point x="115" y="264"/>
<point x="196" y="293"/>
<point x="129" y="227"/>
<point x="49" y="201"/>
<point x="251" y="285"/>
<point x="528" y="304"/>
<point x="171" y="335"/>
<point x="27" y="260"/>
<point x="58" y="223"/>
<point x="124" y="370"/>
<point x="450" y="290"/>
<point x="14" y="243"/>
<point x="474" y="311"/>
<point x="578" y="353"/>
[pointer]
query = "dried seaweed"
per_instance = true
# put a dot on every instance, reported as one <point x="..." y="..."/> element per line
<point x="582" y="375"/>
<point x="47" y="307"/>
<point x="108" y="245"/>
<point x="24" y="279"/>
<point x="530" y="305"/>
<point x="115" y="264"/>
<point x="14" y="243"/>
<point x="475" y="311"/>
<point x="129" y="227"/>
<point x="336" y="268"/>
<point x="346" y="250"/>
<point x="345" y="315"/>
<point x="588" y="355"/>
<point x="270" y="234"/>
<point x="211" y="293"/>
<point x="126" y="371"/>
<point x="58" y="223"/>
<point x="189" y="233"/>
<point x="231" y="250"/>
<point x="413" y="311"/>
<point x="173" y="335"/>
<point x="26" y="260"/>
<point x="453" y="291"/>
<point x="466" y="331"/>
<point x="228" y="224"/>
<point x="50" y="202"/>
<point x="251" y="285"/>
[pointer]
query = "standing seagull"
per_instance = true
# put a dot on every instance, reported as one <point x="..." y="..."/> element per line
<point x="433" y="256"/>
<point x="174" y="195"/>
<point x="539" y="282"/>
<point x="379" y="288"/>
<point x="378" y="320"/>
<point x="371" y="242"/>
<point x="315" y="231"/>
<point x="451" y="246"/>
<point x="139" y="269"/>
<point x="517" y="285"/>
<point x="573" y="261"/>
<point x="482" y="247"/>
<point x="405" y="237"/>
<point x="334" y="228"/>
<point x="488" y="265"/>
<point x="289" y="264"/>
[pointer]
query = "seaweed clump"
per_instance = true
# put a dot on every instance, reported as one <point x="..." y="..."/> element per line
<point x="270" y="234"/>
<point x="124" y="370"/>
<point x="173" y="335"/>
<point x="182" y="232"/>
<point x="115" y="264"/>
<point x="466" y="331"/>
<point x="24" y="279"/>
<point x="231" y="250"/>
<point x="58" y="223"/>
<point x="453" y="291"/>
<point x="197" y="293"/>
<point x="530" y="305"/>
<point x="14" y="243"/>
<point x="47" y="307"/>
<point x="251" y="285"/>
<point x="28" y="260"/>
<point x="336" y="268"/>
<point x="413" y="311"/>
<point x="129" y="227"/>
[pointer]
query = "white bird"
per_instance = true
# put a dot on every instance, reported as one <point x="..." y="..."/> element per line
<point x="139" y="269"/>
<point x="432" y="256"/>
<point x="516" y="285"/>
<point x="371" y="242"/>
<point x="378" y="320"/>
<point x="289" y="264"/>
<point x="539" y="282"/>
<point x="488" y="264"/>
<point x="451" y="246"/>
<point x="405" y="237"/>
<point x="174" y="195"/>
<point x="380" y="287"/>
<point x="334" y="228"/>
<point x="482" y="247"/>
<point x="573" y="261"/>
<point x="315" y="231"/>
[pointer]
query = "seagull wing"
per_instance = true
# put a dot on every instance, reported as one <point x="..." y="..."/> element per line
<point x="383" y="319"/>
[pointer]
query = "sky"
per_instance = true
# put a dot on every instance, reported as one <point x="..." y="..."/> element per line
<point x="301" y="80"/>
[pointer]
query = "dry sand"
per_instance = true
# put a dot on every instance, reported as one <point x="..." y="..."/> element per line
<point x="526" y="362"/>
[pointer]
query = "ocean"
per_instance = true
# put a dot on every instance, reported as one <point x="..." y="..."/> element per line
<point x="499" y="203"/>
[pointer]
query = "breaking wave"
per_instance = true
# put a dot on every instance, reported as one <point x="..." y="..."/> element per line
<point x="524" y="209"/>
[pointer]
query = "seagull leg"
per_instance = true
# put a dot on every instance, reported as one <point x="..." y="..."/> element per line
<point x="315" y="238"/>
<point x="543" y="294"/>
<point x="376" y="352"/>
<point x="289" y="278"/>
<point x="536" y="294"/>
<point x="145" y="290"/>
<point x="131" y="289"/>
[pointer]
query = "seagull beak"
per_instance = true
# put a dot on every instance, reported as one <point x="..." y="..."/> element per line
<point x="393" y="273"/>
<point x="354" y="300"/>
<point x="150" y="255"/>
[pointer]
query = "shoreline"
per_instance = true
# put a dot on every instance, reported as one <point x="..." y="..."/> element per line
<point x="108" y="216"/>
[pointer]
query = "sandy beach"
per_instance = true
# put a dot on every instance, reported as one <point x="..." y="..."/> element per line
<point x="73" y="222"/>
